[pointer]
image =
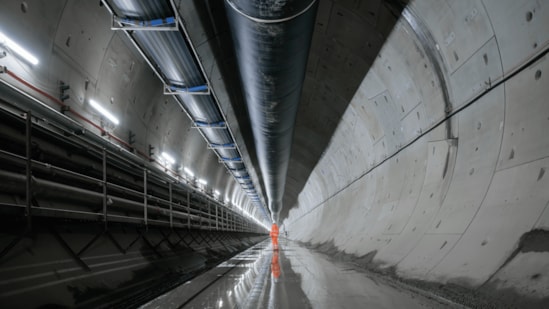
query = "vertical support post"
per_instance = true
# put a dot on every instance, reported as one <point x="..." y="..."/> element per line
<point x="216" y="218"/>
<point x="200" y="214"/>
<point x="28" y="186"/>
<point x="188" y="210"/>
<point x="105" y="187"/>
<point x="145" y="200"/>
<point x="221" y="219"/>
<point x="171" y="206"/>
<point x="209" y="216"/>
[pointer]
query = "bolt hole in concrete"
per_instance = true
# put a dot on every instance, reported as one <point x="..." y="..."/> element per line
<point x="443" y="245"/>
<point x="541" y="173"/>
<point x="538" y="74"/>
<point x="529" y="16"/>
<point x="24" y="7"/>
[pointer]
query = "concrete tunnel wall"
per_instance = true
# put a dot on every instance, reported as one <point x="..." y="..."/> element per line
<point x="438" y="166"/>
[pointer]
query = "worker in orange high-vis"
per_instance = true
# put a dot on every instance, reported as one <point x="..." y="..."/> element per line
<point x="275" y="266"/>
<point x="274" y="236"/>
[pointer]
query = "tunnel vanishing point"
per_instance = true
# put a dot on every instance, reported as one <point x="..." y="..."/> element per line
<point x="143" y="143"/>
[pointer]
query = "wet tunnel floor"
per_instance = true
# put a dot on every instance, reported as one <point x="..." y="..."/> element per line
<point x="292" y="277"/>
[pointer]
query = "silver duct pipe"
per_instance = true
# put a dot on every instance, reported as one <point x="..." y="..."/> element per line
<point x="272" y="40"/>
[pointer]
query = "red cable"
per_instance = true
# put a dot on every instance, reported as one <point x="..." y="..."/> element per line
<point x="76" y="114"/>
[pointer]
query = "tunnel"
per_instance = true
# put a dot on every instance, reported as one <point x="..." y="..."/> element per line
<point x="147" y="147"/>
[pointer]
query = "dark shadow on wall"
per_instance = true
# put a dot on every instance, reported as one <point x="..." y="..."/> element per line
<point x="347" y="38"/>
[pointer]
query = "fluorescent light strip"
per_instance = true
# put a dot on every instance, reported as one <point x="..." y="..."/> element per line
<point x="4" y="40"/>
<point x="168" y="158"/>
<point x="188" y="171"/>
<point x="104" y="112"/>
<point x="202" y="181"/>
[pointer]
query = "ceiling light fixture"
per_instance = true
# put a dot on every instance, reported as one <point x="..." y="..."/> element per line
<point x="202" y="181"/>
<point x="188" y="171"/>
<point x="168" y="158"/>
<point x="5" y="41"/>
<point x="104" y="112"/>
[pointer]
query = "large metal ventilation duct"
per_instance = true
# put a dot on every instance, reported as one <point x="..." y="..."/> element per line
<point x="272" y="40"/>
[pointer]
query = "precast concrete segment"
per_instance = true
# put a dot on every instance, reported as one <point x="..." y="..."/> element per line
<point x="272" y="45"/>
<point x="444" y="210"/>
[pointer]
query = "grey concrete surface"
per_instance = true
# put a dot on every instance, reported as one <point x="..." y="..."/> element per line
<point x="421" y="138"/>
<point x="452" y="206"/>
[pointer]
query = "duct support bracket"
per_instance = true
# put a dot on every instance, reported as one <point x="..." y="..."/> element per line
<point x="193" y="90"/>
<point x="159" y="24"/>
<point x="221" y="146"/>
<point x="209" y="125"/>
<point x="230" y="160"/>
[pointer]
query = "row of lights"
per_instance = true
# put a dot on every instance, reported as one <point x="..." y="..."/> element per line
<point x="14" y="47"/>
<point x="170" y="160"/>
<point x="8" y="43"/>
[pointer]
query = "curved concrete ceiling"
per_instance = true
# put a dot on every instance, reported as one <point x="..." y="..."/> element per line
<point x="420" y="140"/>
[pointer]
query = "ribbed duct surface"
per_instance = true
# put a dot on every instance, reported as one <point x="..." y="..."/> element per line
<point x="272" y="40"/>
